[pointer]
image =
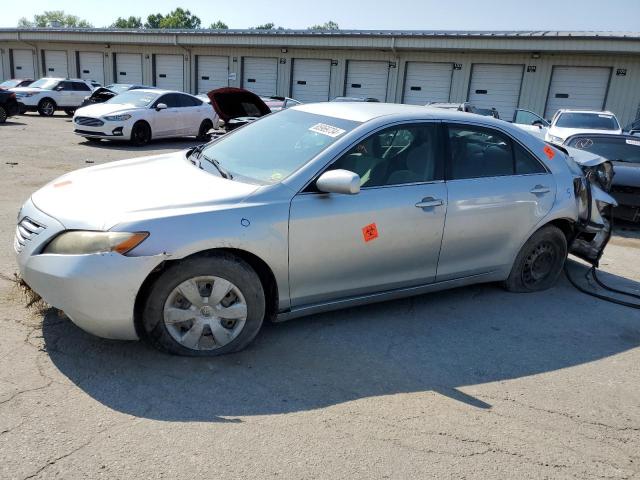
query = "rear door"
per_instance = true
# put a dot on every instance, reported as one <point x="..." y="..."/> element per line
<point x="190" y="115"/>
<point x="385" y="237"/>
<point x="65" y="96"/>
<point x="498" y="192"/>
<point x="79" y="92"/>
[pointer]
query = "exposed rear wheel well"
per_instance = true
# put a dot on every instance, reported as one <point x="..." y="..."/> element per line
<point x="567" y="226"/>
<point x="267" y="278"/>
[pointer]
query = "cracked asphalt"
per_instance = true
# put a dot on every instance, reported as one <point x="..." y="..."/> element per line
<point x="473" y="383"/>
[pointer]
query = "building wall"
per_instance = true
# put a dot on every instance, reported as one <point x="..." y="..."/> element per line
<point x="623" y="97"/>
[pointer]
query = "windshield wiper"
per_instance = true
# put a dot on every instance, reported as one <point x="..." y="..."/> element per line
<point x="223" y="172"/>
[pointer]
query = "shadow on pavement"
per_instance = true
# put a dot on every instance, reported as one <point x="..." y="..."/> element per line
<point x="154" y="145"/>
<point x="436" y="342"/>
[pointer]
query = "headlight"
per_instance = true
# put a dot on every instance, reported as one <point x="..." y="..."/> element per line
<point x="554" y="139"/>
<point x="24" y="94"/>
<point x="604" y="174"/>
<point x="83" y="242"/>
<point x="117" y="118"/>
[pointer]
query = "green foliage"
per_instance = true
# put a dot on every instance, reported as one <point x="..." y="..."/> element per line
<point x="266" y="26"/>
<point x="179" y="18"/>
<point x="330" y="25"/>
<point x="54" y="17"/>
<point x="219" y="25"/>
<point x="131" y="22"/>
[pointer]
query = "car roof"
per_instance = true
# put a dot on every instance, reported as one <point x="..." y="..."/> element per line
<point x="577" y="110"/>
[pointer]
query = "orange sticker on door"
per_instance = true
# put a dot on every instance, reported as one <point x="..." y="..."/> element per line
<point x="370" y="232"/>
<point x="548" y="151"/>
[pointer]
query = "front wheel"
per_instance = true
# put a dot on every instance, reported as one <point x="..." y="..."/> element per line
<point x="70" y="111"/>
<point x="204" y="306"/>
<point x="141" y="134"/>
<point x="3" y="115"/>
<point x="539" y="262"/>
<point x="47" y="107"/>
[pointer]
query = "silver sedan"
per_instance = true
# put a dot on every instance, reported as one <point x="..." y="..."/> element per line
<point x="317" y="207"/>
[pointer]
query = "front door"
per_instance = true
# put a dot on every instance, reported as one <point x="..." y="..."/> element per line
<point x="385" y="237"/>
<point x="166" y="122"/>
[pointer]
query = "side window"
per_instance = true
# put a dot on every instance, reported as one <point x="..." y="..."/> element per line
<point x="187" y="101"/>
<point x="172" y="100"/>
<point x="526" y="163"/>
<point x="479" y="152"/>
<point x="524" y="117"/>
<point x="81" y="87"/>
<point x="396" y="156"/>
<point x="64" y="86"/>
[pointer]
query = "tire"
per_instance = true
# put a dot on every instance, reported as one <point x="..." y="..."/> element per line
<point x="205" y="126"/>
<point x="70" y="111"/>
<point x="47" y="107"/>
<point x="539" y="262"/>
<point x="3" y="114"/>
<point x="140" y="134"/>
<point x="198" y="320"/>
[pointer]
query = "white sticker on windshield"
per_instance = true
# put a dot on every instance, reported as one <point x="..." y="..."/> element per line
<point x="604" y="116"/>
<point x="328" y="130"/>
<point x="633" y="142"/>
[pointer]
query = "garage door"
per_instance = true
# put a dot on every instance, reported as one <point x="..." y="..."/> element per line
<point x="213" y="72"/>
<point x="367" y="79"/>
<point x="91" y="66"/>
<point x="311" y="79"/>
<point x="577" y="87"/>
<point x="55" y="62"/>
<point x="128" y="68"/>
<point x="260" y="75"/>
<point x="427" y="82"/>
<point x="23" y="64"/>
<point x="170" y="72"/>
<point x="496" y="86"/>
<point x="2" y="77"/>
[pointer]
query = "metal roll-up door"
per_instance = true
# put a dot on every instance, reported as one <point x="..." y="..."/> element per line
<point x="427" y="82"/>
<point x="213" y="72"/>
<point x="2" y="77"/>
<point x="22" y="64"/>
<point x="169" y="72"/>
<point x="260" y="75"/>
<point x="311" y="80"/>
<point x="577" y="87"/>
<point x="496" y="86"/>
<point x="91" y="66"/>
<point x="128" y="68"/>
<point x="55" y="62"/>
<point x="367" y="79"/>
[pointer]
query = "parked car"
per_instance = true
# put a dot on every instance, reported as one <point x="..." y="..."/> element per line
<point x="102" y="94"/>
<point x="15" y="82"/>
<point x="276" y="104"/>
<point x="47" y="95"/>
<point x="571" y="122"/>
<point x="624" y="153"/>
<point x="235" y="107"/>
<point x="318" y="207"/>
<point x="466" y="107"/>
<point x="531" y="122"/>
<point x="355" y="99"/>
<point x="633" y="128"/>
<point x="142" y="115"/>
<point x="9" y="106"/>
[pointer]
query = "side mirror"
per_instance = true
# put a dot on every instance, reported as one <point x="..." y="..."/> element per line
<point x="161" y="106"/>
<point x="339" y="181"/>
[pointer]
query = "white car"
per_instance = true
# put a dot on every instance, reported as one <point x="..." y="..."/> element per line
<point x="47" y="95"/>
<point x="570" y="122"/>
<point x="140" y="115"/>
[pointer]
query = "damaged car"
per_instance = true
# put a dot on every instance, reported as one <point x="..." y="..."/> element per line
<point x="236" y="107"/>
<point x="315" y="208"/>
<point x="102" y="94"/>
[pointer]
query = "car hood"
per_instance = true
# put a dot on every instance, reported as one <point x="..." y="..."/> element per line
<point x="28" y="89"/>
<point x="97" y="198"/>
<point x="626" y="174"/>
<point x="101" y="109"/>
<point x="567" y="132"/>
<point x="230" y="103"/>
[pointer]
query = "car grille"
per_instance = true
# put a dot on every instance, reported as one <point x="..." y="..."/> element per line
<point x="25" y="231"/>
<point x="89" y="122"/>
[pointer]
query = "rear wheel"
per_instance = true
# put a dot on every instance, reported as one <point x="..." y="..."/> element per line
<point x="47" y="107"/>
<point x="205" y="126"/>
<point x="205" y="306"/>
<point x="539" y="262"/>
<point x="3" y="114"/>
<point x="141" y="134"/>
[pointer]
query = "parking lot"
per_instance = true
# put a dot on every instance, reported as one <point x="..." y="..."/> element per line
<point x="469" y="383"/>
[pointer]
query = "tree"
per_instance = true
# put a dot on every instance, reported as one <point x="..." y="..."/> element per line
<point x="131" y="22"/>
<point x="266" y="26"/>
<point x="219" y="25"/>
<point x="179" y="18"/>
<point x="330" y="25"/>
<point x="54" y="18"/>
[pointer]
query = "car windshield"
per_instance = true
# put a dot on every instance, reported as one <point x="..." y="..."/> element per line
<point x="591" y="121"/>
<point x="272" y="148"/>
<point x="136" y="98"/>
<point x="9" y="83"/>
<point x="620" y="149"/>
<point x="119" y="87"/>
<point x="45" y="83"/>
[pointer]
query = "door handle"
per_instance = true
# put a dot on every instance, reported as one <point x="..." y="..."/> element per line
<point x="540" y="189"/>
<point x="429" y="202"/>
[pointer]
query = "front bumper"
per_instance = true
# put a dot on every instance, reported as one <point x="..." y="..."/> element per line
<point x="97" y="291"/>
<point x="110" y="130"/>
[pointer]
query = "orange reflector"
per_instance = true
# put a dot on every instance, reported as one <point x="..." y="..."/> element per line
<point x="132" y="242"/>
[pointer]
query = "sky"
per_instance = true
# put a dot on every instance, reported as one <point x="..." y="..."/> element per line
<point x="618" y="15"/>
